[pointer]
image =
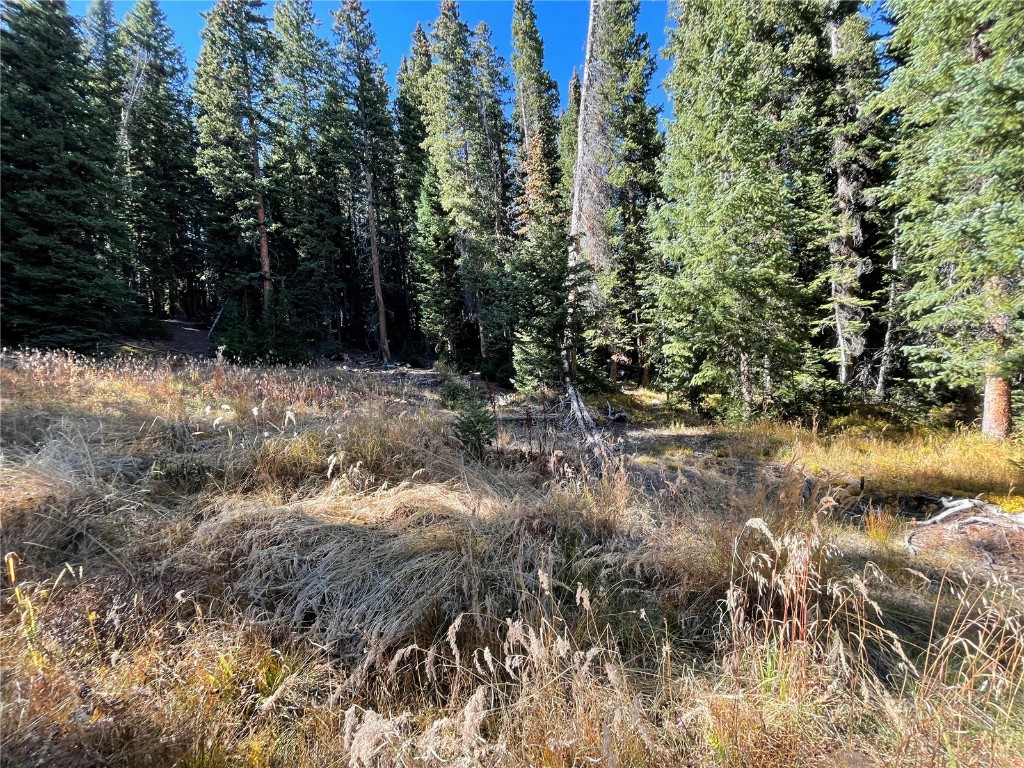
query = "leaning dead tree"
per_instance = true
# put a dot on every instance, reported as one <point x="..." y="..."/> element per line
<point x="588" y="241"/>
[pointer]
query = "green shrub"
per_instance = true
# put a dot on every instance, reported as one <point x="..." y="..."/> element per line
<point x="476" y="427"/>
<point x="455" y="394"/>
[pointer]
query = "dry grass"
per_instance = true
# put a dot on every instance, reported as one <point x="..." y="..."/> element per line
<point x="959" y="463"/>
<point x="223" y="566"/>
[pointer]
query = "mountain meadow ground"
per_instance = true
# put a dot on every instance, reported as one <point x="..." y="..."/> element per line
<point x="214" y="565"/>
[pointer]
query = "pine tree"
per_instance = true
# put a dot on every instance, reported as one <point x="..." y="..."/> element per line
<point x="539" y="261"/>
<point x="740" y="206"/>
<point x="466" y="143"/>
<point x="634" y="147"/>
<point x="436" y="269"/>
<point x="163" y="194"/>
<point x="60" y="287"/>
<point x="233" y="79"/>
<point x="366" y="92"/>
<point x="410" y="97"/>
<point x="958" y="192"/>
<point x="308" y="224"/>
<point x="568" y="128"/>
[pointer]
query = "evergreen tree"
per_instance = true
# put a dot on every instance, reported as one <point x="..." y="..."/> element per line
<point x="61" y="287"/>
<point x="539" y="261"/>
<point x="634" y="147"/>
<point x="108" y="65"/>
<point x="107" y="68"/>
<point x="958" y="192"/>
<point x="492" y="172"/>
<point x="854" y="166"/>
<point x="233" y="83"/>
<point x="740" y="206"/>
<point x="410" y="97"/>
<point x="163" y="194"/>
<point x="308" y="224"/>
<point x="467" y="146"/>
<point x="436" y="269"/>
<point x="366" y="93"/>
<point x="567" y="145"/>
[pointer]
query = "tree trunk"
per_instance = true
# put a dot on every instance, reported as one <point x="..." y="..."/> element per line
<point x="746" y="384"/>
<point x="382" y="317"/>
<point x="261" y="226"/>
<point x="887" y="348"/>
<point x="585" y="177"/>
<point x="996" y="415"/>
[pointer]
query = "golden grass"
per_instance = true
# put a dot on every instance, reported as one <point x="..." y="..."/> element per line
<point x="217" y="565"/>
<point x="960" y="462"/>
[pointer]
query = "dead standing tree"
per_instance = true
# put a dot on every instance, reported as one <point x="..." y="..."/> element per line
<point x="588" y="242"/>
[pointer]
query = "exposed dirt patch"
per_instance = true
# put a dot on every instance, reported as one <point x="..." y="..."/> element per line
<point x="188" y="339"/>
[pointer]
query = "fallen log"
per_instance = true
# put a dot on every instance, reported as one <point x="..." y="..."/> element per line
<point x="991" y="514"/>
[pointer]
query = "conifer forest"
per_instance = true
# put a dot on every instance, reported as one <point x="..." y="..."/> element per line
<point x="662" y="409"/>
<point x="817" y="216"/>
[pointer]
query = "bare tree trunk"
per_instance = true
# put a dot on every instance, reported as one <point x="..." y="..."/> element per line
<point x="887" y="349"/>
<point x="590" y="200"/>
<point x="746" y="383"/>
<point x="996" y="417"/>
<point x="997" y="413"/>
<point x="588" y="130"/>
<point x="382" y="315"/>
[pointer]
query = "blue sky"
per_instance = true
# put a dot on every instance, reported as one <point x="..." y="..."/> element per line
<point x="562" y="23"/>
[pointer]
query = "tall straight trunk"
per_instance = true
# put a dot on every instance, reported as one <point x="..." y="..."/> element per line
<point x="746" y="383"/>
<point x="996" y="416"/>
<point x="586" y="168"/>
<point x="887" y="343"/>
<point x="382" y="316"/>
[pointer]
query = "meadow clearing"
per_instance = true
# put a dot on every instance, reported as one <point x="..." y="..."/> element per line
<point x="214" y="565"/>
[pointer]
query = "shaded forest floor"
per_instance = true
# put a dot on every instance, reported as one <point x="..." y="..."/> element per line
<point x="215" y="565"/>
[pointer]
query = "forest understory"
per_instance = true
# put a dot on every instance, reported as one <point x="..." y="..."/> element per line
<point x="217" y="565"/>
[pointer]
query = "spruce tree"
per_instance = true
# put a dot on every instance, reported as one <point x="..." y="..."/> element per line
<point x="568" y="128"/>
<point x="491" y="170"/>
<point x="365" y="91"/>
<point x="853" y="168"/>
<point x="436" y="270"/>
<point x="410" y="96"/>
<point x="734" y="308"/>
<point x="308" y="227"/>
<point x="106" y="60"/>
<point x="466" y="143"/>
<point x="634" y="147"/>
<point x="108" y="82"/>
<point x="958" y="192"/>
<point x="60" y="285"/>
<point x="232" y="86"/>
<point x="163" y="194"/>
<point x="539" y="261"/>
